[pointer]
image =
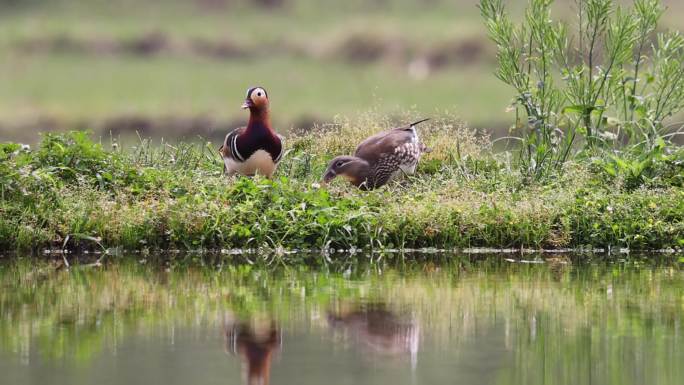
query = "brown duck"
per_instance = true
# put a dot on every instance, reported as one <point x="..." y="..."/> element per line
<point x="380" y="158"/>
<point x="256" y="148"/>
<point x="376" y="329"/>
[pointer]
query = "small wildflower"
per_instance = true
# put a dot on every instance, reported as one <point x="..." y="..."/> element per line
<point x="315" y="185"/>
<point x="609" y="209"/>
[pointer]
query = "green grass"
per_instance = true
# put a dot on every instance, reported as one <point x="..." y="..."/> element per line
<point x="75" y="87"/>
<point x="245" y="23"/>
<point x="175" y="197"/>
<point x="68" y="87"/>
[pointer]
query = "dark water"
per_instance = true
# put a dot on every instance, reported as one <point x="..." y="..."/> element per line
<point x="463" y="322"/>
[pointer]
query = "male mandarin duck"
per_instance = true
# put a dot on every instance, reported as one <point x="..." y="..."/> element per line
<point x="256" y="148"/>
<point x="380" y="158"/>
<point x="255" y="345"/>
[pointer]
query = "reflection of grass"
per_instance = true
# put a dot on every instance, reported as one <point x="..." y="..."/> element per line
<point x="550" y="312"/>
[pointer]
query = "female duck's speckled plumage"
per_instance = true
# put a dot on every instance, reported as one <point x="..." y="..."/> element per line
<point x="255" y="148"/>
<point x="380" y="158"/>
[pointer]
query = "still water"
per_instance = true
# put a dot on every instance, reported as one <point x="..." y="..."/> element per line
<point x="466" y="321"/>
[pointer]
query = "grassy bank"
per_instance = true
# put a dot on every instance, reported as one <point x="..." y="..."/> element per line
<point x="72" y="191"/>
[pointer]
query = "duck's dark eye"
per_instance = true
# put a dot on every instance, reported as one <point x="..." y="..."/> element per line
<point x="258" y="93"/>
<point x="339" y="163"/>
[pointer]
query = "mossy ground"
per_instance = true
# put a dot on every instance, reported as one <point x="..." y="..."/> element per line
<point x="464" y="195"/>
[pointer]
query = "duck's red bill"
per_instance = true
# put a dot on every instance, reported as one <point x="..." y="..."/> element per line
<point x="248" y="103"/>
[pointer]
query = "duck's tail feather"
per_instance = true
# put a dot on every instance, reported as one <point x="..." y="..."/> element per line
<point x="425" y="149"/>
<point x="418" y="122"/>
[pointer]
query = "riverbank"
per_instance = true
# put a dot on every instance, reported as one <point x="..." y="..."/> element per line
<point x="73" y="193"/>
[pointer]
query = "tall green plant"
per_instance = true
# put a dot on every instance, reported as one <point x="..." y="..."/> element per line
<point x="604" y="81"/>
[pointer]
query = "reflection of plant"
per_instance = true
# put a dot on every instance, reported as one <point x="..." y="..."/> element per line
<point x="602" y="80"/>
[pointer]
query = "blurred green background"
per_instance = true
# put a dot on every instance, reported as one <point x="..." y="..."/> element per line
<point x="178" y="69"/>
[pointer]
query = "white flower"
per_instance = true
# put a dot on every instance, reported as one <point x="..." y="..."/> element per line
<point x="607" y="135"/>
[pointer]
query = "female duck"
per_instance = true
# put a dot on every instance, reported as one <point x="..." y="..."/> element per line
<point x="380" y="158"/>
<point x="256" y="148"/>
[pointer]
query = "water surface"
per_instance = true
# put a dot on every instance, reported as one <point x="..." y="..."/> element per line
<point x="466" y="321"/>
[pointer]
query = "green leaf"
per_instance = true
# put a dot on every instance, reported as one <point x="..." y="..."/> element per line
<point x="641" y="112"/>
<point x="610" y="170"/>
<point x="577" y="109"/>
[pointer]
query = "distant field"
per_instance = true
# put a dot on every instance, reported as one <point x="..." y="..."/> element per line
<point x="60" y="87"/>
<point x="69" y="63"/>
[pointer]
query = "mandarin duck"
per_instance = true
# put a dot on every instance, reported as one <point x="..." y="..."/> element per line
<point x="380" y="158"/>
<point x="255" y="345"/>
<point x="256" y="148"/>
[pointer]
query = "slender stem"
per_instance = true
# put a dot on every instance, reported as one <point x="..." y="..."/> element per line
<point x="624" y="96"/>
<point x="590" y="95"/>
<point x="632" y="104"/>
<point x="600" y="90"/>
<point x="529" y="57"/>
<point x="581" y="33"/>
<point x="674" y="85"/>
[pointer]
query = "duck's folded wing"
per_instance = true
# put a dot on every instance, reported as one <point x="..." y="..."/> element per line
<point x="282" y="149"/>
<point x="387" y="141"/>
<point x="373" y="148"/>
<point x="229" y="147"/>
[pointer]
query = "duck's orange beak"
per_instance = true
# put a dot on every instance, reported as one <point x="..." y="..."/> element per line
<point x="247" y="104"/>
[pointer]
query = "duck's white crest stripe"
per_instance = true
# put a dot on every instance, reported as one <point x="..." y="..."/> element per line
<point x="282" y="149"/>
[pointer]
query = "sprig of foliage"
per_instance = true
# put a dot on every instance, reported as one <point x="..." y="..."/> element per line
<point x="606" y="84"/>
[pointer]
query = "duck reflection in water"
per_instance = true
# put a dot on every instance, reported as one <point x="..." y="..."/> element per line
<point x="377" y="330"/>
<point x="254" y="343"/>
